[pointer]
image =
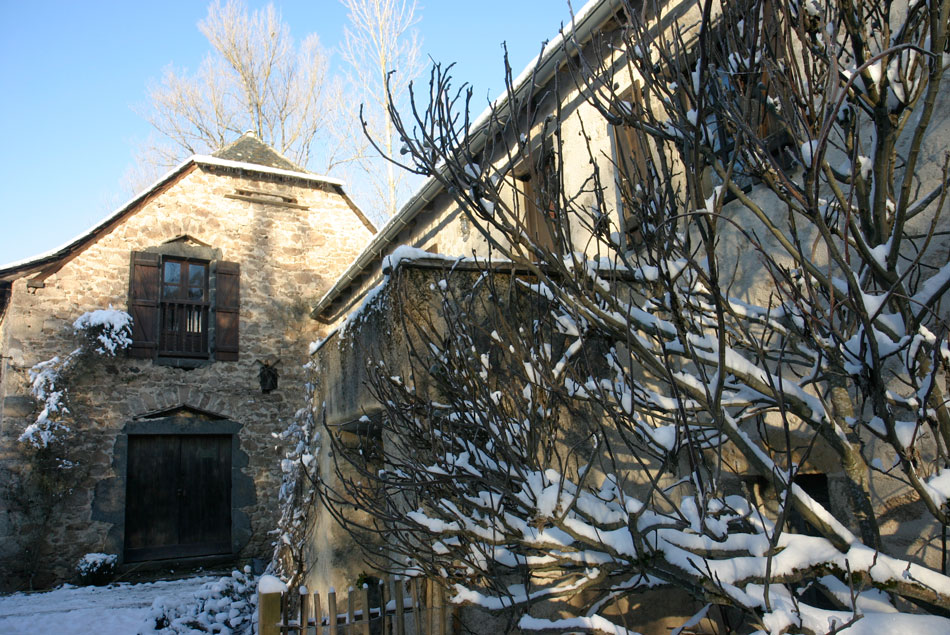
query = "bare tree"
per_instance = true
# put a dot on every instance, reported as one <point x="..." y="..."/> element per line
<point x="256" y="78"/>
<point x="642" y="408"/>
<point x="381" y="50"/>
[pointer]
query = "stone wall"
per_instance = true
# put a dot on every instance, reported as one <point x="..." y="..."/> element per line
<point x="288" y="256"/>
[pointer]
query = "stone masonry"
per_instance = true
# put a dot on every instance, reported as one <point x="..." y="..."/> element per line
<point x="288" y="255"/>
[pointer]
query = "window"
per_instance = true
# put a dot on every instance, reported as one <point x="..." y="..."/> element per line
<point x="636" y="173"/>
<point x="743" y="64"/>
<point x="183" y="307"/>
<point x="762" y="493"/>
<point x="541" y="188"/>
<point x="734" y="91"/>
<point x="764" y="123"/>
<point x="6" y="290"/>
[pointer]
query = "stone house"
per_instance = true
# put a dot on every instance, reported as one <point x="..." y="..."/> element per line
<point x="386" y="278"/>
<point x="217" y="263"/>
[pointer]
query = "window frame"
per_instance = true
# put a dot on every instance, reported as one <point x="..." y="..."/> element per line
<point x="182" y="310"/>
<point x="633" y="155"/>
<point x="221" y="304"/>
<point x="541" y="183"/>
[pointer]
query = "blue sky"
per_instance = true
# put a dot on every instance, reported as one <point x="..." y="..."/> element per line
<point x="72" y="73"/>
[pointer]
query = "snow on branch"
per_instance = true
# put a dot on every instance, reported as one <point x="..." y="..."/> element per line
<point x="112" y="329"/>
<point x="102" y="332"/>
<point x="722" y="335"/>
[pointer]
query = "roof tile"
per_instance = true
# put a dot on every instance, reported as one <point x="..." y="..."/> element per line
<point x="249" y="149"/>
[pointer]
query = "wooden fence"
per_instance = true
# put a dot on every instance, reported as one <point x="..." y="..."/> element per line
<point x="398" y="607"/>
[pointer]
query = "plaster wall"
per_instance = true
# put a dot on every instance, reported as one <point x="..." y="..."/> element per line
<point x="905" y="524"/>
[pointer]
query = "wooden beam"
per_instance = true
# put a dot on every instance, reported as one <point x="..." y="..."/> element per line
<point x="266" y="201"/>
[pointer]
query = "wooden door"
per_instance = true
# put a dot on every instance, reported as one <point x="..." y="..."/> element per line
<point x="178" y="496"/>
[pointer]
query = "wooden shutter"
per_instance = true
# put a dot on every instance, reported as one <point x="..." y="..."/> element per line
<point x="227" y="306"/>
<point x="143" y="303"/>
<point x="536" y="221"/>
<point x="634" y="162"/>
<point x="636" y="144"/>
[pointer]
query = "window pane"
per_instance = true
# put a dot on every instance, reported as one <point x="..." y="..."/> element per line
<point x="196" y="275"/>
<point x="172" y="272"/>
<point x="193" y="317"/>
<point x="196" y="293"/>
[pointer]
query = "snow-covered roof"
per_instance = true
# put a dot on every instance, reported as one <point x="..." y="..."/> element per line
<point x="20" y="268"/>
<point x="264" y="169"/>
<point x="584" y="23"/>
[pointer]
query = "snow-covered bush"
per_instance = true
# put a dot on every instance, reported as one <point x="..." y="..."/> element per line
<point x="227" y="606"/>
<point x="48" y="390"/>
<point x="96" y="569"/>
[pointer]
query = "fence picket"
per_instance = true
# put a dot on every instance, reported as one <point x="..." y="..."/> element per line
<point x="400" y="605"/>
<point x="304" y="618"/>
<point x="417" y="613"/>
<point x="440" y="612"/>
<point x="383" y="603"/>
<point x="432" y="604"/>
<point x="283" y="614"/>
<point x="331" y="618"/>
<point x="317" y="615"/>
<point x="427" y="609"/>
<point x="350" y="616"/>
<point x="364" y="602"/>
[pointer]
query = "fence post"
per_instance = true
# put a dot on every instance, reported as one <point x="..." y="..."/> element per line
<point x="268" y="613"/>
<point x="400" y="607"/>
<point x="269" y="593"/>
<point x="331" y="600"/>
<point x="304" y="617"/>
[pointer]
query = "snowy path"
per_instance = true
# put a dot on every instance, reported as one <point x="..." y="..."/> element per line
<point x="117" y="610"/>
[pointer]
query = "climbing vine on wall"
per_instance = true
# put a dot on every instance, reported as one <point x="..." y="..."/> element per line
<point x="296" y="494"/>
<point x="52" y="445"/>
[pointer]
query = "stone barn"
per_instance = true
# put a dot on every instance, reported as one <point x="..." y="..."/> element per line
<point x="167" y="450"/>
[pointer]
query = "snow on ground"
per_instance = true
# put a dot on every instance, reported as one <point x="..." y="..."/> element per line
<point x="118" y="609"/>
